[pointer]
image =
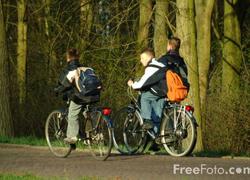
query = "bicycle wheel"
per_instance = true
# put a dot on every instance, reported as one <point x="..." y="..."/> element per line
<point x="99" y="136"/>
<point x="118" y="125"/>
<point x="178" y="138"/>
<point x="55" y="132"/>
<point x="134" y="136"/>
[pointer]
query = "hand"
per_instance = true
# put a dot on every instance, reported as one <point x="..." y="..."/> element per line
<point x="130" y="82"/>
<point x="56" y="91"/>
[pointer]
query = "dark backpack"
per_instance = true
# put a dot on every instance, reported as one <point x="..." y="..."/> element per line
<point x="88" y="83"/>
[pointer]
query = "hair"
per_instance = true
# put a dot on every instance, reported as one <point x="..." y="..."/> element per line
<point x="148" y="51"/>
<point x="175" y="43"/>
<point x="73" y="53"/>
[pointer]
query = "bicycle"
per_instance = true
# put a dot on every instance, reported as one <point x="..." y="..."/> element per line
<point x="96" y="132"/>
<point x="177" y="134"/>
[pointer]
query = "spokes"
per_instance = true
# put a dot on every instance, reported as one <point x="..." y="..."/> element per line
<point x="181" y="141"/>
<point x="55" y="131"/>
<point x="132" y="132"/>
<point x="100" y="139"/>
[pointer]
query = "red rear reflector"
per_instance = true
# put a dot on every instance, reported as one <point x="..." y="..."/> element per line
<point x="190" y="109"/>
<point x="106" y="111"/>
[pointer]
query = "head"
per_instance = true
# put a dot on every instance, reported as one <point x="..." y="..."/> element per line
<point x="72" y="54"/>
<point x="146" y="56"/>
<point x="174" y="44"/>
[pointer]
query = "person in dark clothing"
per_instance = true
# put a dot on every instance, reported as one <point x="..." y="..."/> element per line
<point x="172" y="59"/>
<point x="67" y="86"/>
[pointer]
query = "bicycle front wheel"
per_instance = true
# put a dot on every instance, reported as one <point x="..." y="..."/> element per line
<point x="99" y="136"/>
<point x="178" y="132"/>
<point x="55" y="132"/>
<point x="133" y="134"/>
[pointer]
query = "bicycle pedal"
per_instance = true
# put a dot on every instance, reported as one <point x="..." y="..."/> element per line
<point x="158" y="140"/>
<point x="152" y="134"/>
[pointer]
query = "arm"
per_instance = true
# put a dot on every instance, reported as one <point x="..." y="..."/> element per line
<point x="146" y="79"/>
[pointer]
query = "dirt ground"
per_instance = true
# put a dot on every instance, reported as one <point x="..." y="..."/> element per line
<point x="17" y="159"/>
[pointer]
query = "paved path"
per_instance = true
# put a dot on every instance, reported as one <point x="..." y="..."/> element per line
<point x="41" y="162"/>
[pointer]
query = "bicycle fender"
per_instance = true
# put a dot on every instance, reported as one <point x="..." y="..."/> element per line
<point x="108" y="120"/>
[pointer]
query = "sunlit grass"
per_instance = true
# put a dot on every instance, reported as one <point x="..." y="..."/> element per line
<point x="28" y="140"/>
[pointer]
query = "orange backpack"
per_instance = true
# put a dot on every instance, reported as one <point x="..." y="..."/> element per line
<point x="177" y="91"/>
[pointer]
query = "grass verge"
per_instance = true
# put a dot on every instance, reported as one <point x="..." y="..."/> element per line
<point x="28" y="140"/>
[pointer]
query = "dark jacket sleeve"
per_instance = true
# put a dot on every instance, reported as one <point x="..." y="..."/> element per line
<point x="63" y="83"/>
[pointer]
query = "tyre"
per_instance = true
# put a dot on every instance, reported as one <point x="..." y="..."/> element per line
<point x="133" y="135"/>
<point x="179" y="140"/>
<point x="118" y="124"/>
<point x="55" y="132"/>
<point x="99" y="136"/>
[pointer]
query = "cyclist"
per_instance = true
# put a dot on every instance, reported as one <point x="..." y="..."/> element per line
<point x="67" y="86"/>
<point x="152" y="99"/>
<point x="173" y="58"/>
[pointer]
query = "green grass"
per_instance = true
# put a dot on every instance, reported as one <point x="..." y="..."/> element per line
<point x="28" y="140"/>
<point x="15" y="177"/>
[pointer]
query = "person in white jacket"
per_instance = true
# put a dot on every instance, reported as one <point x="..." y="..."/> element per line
<point x="150" y="84"/>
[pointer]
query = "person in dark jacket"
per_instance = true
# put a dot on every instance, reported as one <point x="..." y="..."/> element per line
<point x="149" y="86"/>
<point x="67" y="86"/>
<point x="172" y="59"/>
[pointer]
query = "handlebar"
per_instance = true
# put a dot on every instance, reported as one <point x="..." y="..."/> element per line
<point x="130" y="94"/>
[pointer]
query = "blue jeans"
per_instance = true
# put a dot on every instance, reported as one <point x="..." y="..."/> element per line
<point x="152" y="108"/>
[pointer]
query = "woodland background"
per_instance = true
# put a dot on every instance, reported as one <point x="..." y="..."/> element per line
<point x="215" y="34"/>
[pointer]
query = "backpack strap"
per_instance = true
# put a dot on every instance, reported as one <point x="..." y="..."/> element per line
<point x="177" y="66"/>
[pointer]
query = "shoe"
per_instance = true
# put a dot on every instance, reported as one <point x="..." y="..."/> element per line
<point x="147" y="124"/>
<point x="155" y="147"/>
<point x="73" y="146"/>
<point x="71" y="140"/>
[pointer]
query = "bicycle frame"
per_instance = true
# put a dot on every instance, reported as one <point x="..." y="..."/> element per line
<point x="104" y="114"/>
<point x="135" y="106"/>
<point x="182" y="108"/>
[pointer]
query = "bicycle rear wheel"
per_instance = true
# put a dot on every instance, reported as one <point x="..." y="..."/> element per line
<point x="180" y="139"/>
<point x="55" y="132"/>
<point x="99" y="136"/>
<point x="133" y="134"/>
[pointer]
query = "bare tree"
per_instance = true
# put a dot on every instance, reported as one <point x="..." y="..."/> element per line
<point x="145" y="18"/>
<point x="21" y="49"/>
<point x="160" y="30"/>
<point x="86" y="18"/>
<point x="6" y="124"/>
<point x="203" y="9"/>
<point x="232" y="57"/>
<point x="185" y="25"/>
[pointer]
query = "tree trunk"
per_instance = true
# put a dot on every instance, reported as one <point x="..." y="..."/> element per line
<point x="160" y="30"/>
<point x="232" y="58"/>
<point x="145" y="17"/>
<point x="49" y="49"/>
<point x="143" y="31"/>
<point x="47" y="13"/>
<point x="185" y="25"/>
<point x="6" y="124"/>
<point x="203" y="10"/>
<point x="21" y="49"/>
<point x="86" y="22"/>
